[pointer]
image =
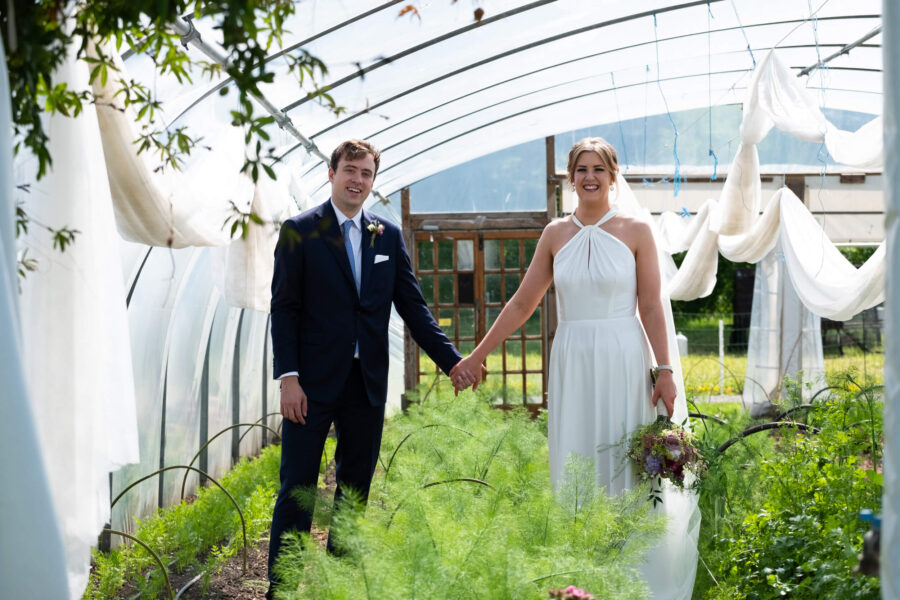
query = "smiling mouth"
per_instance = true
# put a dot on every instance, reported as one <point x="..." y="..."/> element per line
<point x="354" y="190"/>
<point x="591" y="188"/>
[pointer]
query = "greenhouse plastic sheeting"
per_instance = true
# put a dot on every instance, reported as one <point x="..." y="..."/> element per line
<point x="890" y="535"/>
<point x="32" y="555"/>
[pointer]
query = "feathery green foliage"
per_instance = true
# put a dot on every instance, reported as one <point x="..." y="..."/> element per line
<point x="490" y="525"/>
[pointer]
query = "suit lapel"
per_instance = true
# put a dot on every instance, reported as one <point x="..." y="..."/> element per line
<point x="368" y="249"/>
<point x="334" y="239"/>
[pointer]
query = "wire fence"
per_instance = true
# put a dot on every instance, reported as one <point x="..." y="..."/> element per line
<point x="864" y="333"/>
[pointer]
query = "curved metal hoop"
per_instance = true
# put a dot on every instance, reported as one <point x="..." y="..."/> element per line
<point x="208" y="476"/>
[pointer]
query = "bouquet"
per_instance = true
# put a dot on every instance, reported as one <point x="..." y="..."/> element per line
<point x="664" y="450"/>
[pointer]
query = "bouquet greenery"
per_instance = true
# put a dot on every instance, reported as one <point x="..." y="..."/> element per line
<point x="664" y="450"/>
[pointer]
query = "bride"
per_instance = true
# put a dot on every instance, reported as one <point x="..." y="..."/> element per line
<point x="605" y="267"/>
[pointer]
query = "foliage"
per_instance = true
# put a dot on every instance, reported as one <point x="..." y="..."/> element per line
<point x="780" y="511"/>
<point x="207" y="529"/>
<point x="857" y="255"/>
<point x="722" y="297"/>
<point x="462" y="505"/>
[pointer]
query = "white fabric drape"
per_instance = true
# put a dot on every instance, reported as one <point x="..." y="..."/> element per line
<point x="890" y="533"/>
<point x="192" y="207"/>
<point x="76" y="347"/>
<point x="826" y="282"/>
<point x="32" y="559"/>
<point x="785" y="336"/>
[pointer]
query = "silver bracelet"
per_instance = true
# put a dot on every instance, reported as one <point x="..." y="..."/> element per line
<point x="665" y="368"/>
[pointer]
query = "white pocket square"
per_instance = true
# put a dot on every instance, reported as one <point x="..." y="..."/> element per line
<point x="381" y="258"/>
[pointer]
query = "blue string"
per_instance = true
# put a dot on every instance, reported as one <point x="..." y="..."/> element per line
<point x="644" y="180"/>
<point x="750" y="50"/>
<point x="677" y="176"/>
<point x="685" y="212"/>
<point x="619" y="119"/>
<point x="712" y="152"/>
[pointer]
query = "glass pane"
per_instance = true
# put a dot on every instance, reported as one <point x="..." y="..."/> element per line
<point x="467" y="322"/>
<point x="445" y="320"/>
<point x="426" y="255"/>
<point x="494" y="385"/>
<point x="513" y="388"/>
<point x="426" y="282"/>
<point x="465" y="255"/>
<point x="533" y="324"/>
<point x="466" y="288"/>
<point x="445" y="255"/>
<point x="534" y="389"/>
<point x="511" y="254"/>
<point x="533" y="360"/>
<point x="491" y="315"/>
<point x="514" y="355"/>
<point x="445" y="289"/>
<point x="492" y="288"/>
<point x="530" y="245"/>
<point x="426" y="365"/>
<point x="511" y="285"/>
<point x="494" y="362"/>
<point x="491" y="254"/>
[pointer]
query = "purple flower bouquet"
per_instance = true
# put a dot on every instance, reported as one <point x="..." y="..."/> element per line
<point x="663" y="450"/>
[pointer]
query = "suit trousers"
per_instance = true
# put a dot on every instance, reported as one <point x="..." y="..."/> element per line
<point x="358" y="426"/>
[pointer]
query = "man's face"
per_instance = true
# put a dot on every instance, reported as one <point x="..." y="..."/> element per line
<point x="351" y="183"/>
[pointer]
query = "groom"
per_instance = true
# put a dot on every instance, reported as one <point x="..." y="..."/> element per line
<point x="338" y="269"/>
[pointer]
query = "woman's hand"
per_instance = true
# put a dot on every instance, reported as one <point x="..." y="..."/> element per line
<point x="665" y="390"/>
<point x="467" y="372"/>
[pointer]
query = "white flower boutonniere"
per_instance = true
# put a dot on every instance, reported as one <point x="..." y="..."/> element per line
<point x="374" y="228"/>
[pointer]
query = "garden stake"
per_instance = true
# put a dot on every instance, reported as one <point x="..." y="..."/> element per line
<point x="257" y="422"/>
<point x="152" y="553"/>
<point x="764" y="427"/>
<point x="208" y="476"/>
<point x="209" y="441"/>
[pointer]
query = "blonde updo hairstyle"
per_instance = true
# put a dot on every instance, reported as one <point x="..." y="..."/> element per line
<point x="604" y="149"/>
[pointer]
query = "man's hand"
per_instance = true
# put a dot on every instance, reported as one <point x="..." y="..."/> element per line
<point x="293" y="400"/>
<point x="467" y="372"/>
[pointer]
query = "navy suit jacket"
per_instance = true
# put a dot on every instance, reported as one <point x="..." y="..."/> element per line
<point x="317" y="315"/>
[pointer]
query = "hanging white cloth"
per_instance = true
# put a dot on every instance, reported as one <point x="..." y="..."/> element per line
<point x="890" y="532"/>
<point x="195" y="206"/>
<point x="32" y="560"/>
<point x="826" y="282"/>
<point x="76" y="348"/>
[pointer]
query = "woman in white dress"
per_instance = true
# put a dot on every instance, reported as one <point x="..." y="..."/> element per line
<point x="606" y="271"/>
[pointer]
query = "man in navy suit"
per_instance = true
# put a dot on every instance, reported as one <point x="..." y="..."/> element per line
<point x="338" y="269"/>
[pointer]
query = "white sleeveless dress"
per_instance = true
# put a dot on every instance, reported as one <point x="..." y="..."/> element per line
<point x="599" y="389"/>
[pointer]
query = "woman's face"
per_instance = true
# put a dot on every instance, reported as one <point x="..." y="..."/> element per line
<point x="592" y="180"/>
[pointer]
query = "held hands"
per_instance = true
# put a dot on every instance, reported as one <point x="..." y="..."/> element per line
<point x="665" y="390"/>
<point x="293" y="400"/>
<point x="467" y="372"/>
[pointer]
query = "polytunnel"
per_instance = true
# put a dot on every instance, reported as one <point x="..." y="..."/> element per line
<point x="150" y="334"/>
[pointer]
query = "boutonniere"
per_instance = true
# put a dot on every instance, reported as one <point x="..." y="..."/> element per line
<point x="374" y="228"/>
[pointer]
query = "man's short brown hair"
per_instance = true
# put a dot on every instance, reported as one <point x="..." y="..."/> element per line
<point x="354" y="150"/>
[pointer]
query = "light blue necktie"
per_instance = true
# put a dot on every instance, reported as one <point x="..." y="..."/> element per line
<point x="350" y="254"/>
